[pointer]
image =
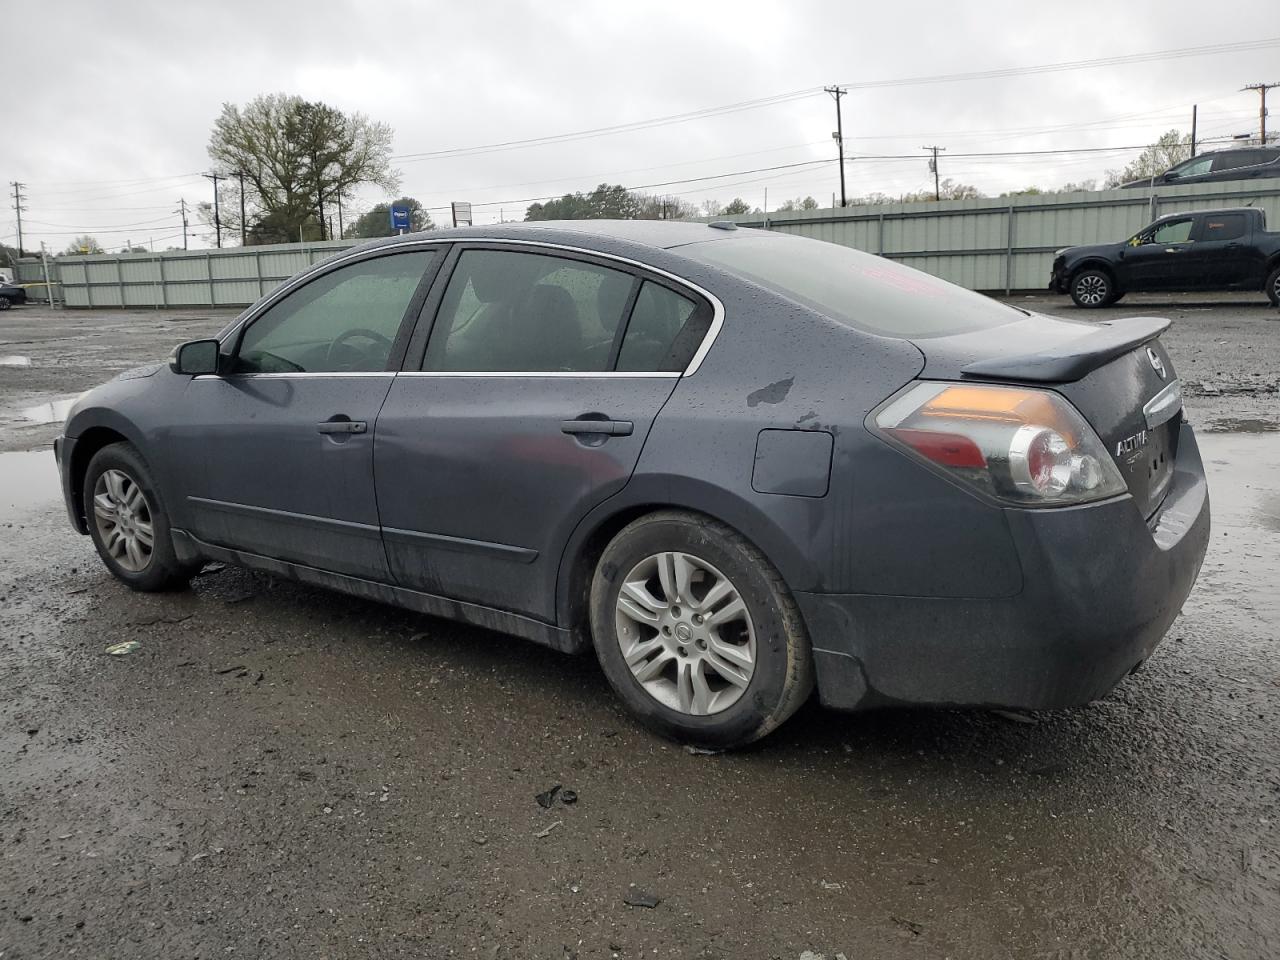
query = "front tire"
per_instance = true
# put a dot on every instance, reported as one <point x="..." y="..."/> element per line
<point x="128" y="521"/>
<point x="5" y="303"/>
<point x="696" y="631"/>
<point x="1092" y="288"/>
<point x="1273" y="287"/>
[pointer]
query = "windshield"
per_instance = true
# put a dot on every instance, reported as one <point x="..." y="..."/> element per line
<point x="855" y="288"/>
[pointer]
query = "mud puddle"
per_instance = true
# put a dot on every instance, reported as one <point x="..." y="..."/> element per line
<point x="54" y="411"/>
<point x="1241" y="570"/>
<point x="27" y="479"/>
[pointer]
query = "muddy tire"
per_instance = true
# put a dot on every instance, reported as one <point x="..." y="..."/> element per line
<point x="1273" y="287"/>
<point x="1092" y="288"/>
<point x="128" y="521"/>
<point x="696" y="631"/>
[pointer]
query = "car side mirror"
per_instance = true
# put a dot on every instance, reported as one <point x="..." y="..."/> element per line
<point x="195" y="358"/>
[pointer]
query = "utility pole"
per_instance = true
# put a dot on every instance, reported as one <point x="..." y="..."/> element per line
<point x="1262" y="89"/>
<point x="339" y="213"/>
<point x="17" y="206"/>
<point x="217" y="214"/>
<point x="1193" y="129"/>
<point x="838" y="135"/>
<point x="933" y="167"/>
<point x="240" y="175"/>
<point x="182" y="209"/>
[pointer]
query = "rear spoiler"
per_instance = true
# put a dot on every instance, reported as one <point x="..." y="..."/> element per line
<point x="1074" y="359"/>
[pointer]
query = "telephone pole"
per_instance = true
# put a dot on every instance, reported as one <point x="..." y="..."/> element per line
<point x="838" y="135"/>
<point x="240" y="175"/>
<point x="182" y="209"/>
<point x="17" y="206"/>
<point x="1194" y="108"/>
<point x="1262" y="89"/>
<point x="217" y="214"/>
<point x="933" y="167"/>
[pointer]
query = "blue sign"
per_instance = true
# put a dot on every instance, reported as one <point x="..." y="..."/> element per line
<point x="399" y="218"/>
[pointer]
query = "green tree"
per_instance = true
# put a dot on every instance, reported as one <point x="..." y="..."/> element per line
<point x="134" y="249"/>
<point x="736" y="207"/>
<point x="377" y="222"/>
<point x="1172" y="148"/>
<point x="299" y="159"/>
<point x="799" y="203"/>
<point x="84" y="244"/>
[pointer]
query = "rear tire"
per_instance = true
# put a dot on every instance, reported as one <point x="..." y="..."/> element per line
<point x="1092" y="288"/>
<point x="5" y="303"/>
<point x="707" y="645"/>
<point x="128" y="521"/>
<point x="1273" y="287"/>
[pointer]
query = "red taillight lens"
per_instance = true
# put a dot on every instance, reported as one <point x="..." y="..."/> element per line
<point x="945" y="449"/>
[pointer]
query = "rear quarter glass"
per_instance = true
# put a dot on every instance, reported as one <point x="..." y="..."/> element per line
<point x="857" y="289"/>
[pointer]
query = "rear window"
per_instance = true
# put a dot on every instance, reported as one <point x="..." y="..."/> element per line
<point x="863" y="291"/>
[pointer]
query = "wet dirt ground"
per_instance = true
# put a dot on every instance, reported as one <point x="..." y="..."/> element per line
<point x="280" y="771"/>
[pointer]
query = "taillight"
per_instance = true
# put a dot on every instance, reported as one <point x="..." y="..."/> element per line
<point x="1024" y="446"/>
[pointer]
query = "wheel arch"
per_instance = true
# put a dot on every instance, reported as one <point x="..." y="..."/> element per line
<point x="651" y="495"/>
<point x="1093" y="263"/>
<point x="89" y="442"/>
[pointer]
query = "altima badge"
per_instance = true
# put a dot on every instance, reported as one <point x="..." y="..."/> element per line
<point x="1156" y="363"/>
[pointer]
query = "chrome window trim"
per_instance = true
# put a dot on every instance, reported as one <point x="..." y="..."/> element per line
<point x="295" y="375"/>
<point x="558" y="374"/>
<point x="708" y="339"/>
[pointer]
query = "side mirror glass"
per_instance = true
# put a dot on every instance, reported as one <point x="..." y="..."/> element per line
<point x="195" y="358"/>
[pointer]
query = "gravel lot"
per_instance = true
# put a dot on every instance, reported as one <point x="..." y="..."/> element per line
<point x="279" y="771"/>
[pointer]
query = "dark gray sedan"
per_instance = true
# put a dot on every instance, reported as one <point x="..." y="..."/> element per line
<point x="736" y="463"/>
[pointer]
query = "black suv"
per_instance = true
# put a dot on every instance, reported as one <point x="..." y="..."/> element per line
<point x="1244" y="163"/>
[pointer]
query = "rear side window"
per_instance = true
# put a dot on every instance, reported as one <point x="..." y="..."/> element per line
<point x="664" y="331"/>
<point x="527" y="312"/>
<point x="863" y="291"/>
<point x="1236" y="158"/>
<point x="1225" y="226"/>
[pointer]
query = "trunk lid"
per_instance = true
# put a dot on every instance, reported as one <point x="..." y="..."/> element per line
<point x="1117" y="374"/>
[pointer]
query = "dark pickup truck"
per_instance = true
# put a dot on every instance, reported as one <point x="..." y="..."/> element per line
<point x="1207" y="250"/>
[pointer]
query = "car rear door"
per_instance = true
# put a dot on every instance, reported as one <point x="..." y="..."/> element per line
<point x="1221" y="255"/>
<point x="279" y="449"/>
<point x="527" y="396"/>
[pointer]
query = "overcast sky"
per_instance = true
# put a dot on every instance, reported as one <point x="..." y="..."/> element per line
<point x="108" y="106"/>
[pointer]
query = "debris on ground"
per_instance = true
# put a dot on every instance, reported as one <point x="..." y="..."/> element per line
<point x="122" y="648"/>
<point x="238" y="668"/>
<point x="569" y="796"/>
<point x="693" y="751"/>
<point x="543" y="834"/>
<point x="635" y="897"/>
<point x="547" y="797"/>
<point x="161" y="618"/>
<point x="915" y="928"/>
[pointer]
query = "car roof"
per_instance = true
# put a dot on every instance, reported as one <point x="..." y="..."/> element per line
<point x="660" y="234"/>
<point x="1212" y="213"/>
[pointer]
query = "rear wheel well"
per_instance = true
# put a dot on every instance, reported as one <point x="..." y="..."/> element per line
<point x="87" y="444"/>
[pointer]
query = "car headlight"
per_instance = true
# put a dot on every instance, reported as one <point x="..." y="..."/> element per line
<point x="1022" y="446"/>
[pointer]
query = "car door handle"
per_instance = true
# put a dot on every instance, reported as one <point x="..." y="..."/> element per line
<point x="342" y="426"/>
<point x="1172" y="250"/>
<point x="609" y="428"/>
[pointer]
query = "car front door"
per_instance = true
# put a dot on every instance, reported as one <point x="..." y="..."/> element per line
<point x="527" y="406"/>
<point x="1153" y="259"/>
<point x="1222" y="255"/>
<point x="280" y="447"/>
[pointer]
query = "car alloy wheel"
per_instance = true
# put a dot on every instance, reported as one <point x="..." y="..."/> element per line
<point x="685" y="633"/>
<point x="122" y="515"/>
<point x="1092" y="289"/>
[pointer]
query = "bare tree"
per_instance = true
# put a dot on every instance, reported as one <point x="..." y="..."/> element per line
<point x="1172" y="148"/>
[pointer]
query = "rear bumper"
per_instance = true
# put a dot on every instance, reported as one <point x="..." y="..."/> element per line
<point x="1101" y="588"/>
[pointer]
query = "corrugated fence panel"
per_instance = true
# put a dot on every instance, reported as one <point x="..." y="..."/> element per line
<point x="1008" y="242"/>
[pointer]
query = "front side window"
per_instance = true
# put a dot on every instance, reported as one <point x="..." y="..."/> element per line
<point x="505" y="311"/>
<point x="343" y="321"/>
<point x="1175" y="231"/>
<point x="1193" y="168"/>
